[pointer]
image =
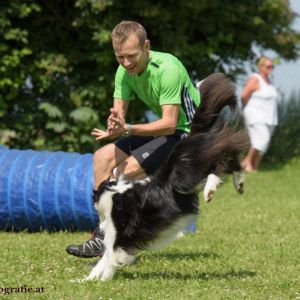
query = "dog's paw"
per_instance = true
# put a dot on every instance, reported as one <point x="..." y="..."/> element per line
<point x="211" y="185"/>
<point x="208" y="196"/>
<point x="238" y="181"/>
<point x="107" y="277"/>
<point x="94" y="275"/>
<point x="91" y="277"/>
<point x="240" y="188"/>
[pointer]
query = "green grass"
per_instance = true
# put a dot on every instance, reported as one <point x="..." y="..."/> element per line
<point x="245" y="247"/>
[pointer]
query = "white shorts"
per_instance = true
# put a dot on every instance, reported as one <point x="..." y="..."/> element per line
<point x="260" y="136"/>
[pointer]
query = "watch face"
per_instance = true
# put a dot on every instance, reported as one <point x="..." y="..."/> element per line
<point x="128" y="130"/>
<point x="126" y="133"/>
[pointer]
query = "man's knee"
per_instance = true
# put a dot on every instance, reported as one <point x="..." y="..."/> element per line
<point x="130" y="168"/>
<point x="105" y="154"/>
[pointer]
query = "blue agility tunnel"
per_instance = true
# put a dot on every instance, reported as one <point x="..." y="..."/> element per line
<point x="46" y="190"/>
<point x="43" y="190"/>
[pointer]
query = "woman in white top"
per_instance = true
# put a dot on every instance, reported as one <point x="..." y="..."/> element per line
<point x="259" y="99"/>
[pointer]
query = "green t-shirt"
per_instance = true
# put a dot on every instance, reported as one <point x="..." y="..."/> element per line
<point x="164" y="81"/>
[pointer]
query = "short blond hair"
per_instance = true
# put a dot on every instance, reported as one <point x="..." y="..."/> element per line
<point x="123" y="30"/>
<point x="262" y="60"/>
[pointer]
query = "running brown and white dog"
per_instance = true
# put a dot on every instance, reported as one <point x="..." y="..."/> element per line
<point x="149" y="214"/>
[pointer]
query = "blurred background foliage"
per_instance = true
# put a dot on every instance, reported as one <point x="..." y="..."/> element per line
<point x="57" y="65"/>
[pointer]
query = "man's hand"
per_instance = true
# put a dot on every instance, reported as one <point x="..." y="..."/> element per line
<point x="110" y="124"/>
<point x="115" y="127"/>
<point x="115" y="121"/>
<point x="102" y="135"/>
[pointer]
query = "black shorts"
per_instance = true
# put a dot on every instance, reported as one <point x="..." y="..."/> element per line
<point x="149" y="151"/>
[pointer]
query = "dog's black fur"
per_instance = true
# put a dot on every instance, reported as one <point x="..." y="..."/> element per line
<point x="142" y="211"/>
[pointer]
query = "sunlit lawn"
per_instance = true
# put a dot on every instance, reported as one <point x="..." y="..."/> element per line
<point x="245" y="247"/>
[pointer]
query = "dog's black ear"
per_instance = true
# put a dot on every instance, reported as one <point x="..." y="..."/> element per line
<point x="104" y="185"/>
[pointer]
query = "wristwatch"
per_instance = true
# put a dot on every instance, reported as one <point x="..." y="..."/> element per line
<point x="128" y="130"/>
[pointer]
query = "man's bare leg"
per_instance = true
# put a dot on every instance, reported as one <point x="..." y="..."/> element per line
<point x="130" y="168"/>
<point x="105" y="160"/>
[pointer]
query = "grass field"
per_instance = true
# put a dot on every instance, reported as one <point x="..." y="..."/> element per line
<point x="245" y="247"/>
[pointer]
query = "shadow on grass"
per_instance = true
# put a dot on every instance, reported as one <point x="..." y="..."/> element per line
<point x="189" y="255"/>
<point x="168" y="256"/>
<point x="183" y="276"/>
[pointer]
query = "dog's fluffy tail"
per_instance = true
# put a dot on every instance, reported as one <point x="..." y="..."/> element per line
<point x="216" y="91"/>
<point x="212" y="147"/>
<point x="218" y="151"/>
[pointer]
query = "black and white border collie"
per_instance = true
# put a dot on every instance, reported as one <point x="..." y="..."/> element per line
<point x="149" y="214"/>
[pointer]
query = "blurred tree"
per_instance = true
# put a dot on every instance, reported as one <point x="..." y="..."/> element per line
<point x="57" y="65"/>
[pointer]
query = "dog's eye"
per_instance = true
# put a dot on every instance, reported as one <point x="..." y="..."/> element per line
<point x="111" y="184"/>
<point x="106" y="185"/>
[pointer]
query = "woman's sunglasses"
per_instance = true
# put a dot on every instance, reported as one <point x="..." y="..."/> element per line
<point x="269" y="67"/>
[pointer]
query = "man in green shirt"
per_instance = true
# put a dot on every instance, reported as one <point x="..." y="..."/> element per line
<point x="159" y="80"/>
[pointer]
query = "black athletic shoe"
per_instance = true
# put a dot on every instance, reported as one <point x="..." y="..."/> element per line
<point x="92" y="248"/>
